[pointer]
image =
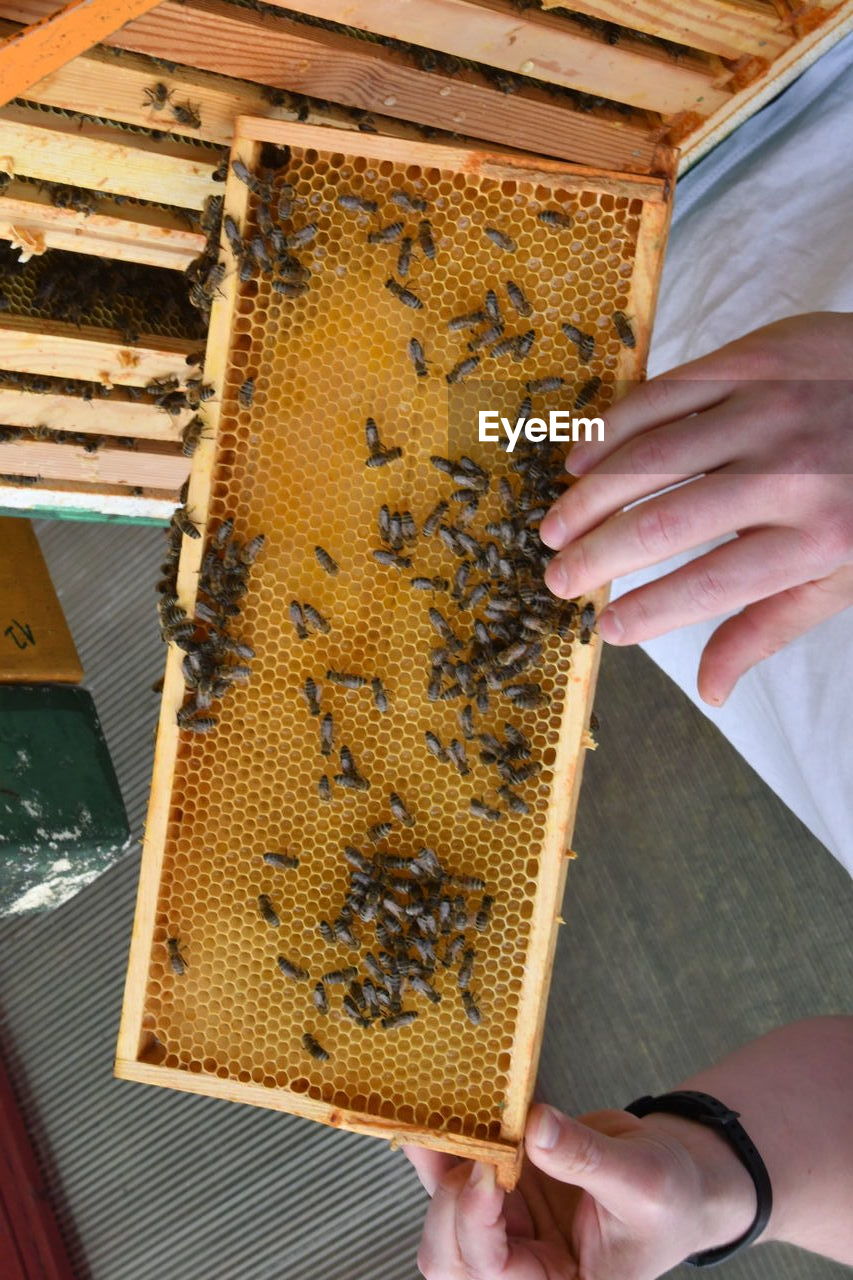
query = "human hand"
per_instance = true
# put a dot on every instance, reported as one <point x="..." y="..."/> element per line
<point x="763" y="429"/>
<point x="611" y="1198"/>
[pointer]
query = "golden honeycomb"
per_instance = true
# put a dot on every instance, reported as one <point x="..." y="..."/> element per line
<point x="292" y="466"/>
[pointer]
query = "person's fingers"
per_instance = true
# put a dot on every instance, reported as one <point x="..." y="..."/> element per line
<point x="658" y="529"/>
<point x="644" y="465"/>
<point x="651" y="404"/>
<point x="481" y="1227"/>
<point x="608" y="1168"/>
<point x="430" y="1166"/>
<point x="748" y="568"/>
<point x="767" y="626"/>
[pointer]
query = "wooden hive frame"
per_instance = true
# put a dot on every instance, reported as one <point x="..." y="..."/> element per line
<point x="139" y="1056"/>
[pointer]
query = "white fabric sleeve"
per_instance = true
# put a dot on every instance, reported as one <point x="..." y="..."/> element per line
<point x="763" y="229"/>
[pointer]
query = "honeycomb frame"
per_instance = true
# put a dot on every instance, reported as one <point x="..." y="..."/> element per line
<point x="193" y="863"/>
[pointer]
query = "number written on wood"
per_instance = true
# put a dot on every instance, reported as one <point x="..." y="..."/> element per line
<point x="20" y="633"/>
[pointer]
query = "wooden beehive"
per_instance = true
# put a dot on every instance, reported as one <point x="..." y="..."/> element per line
<point x="495" y="107"/>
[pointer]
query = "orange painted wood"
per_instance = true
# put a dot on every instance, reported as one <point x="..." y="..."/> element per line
<point x="49" y="43"/>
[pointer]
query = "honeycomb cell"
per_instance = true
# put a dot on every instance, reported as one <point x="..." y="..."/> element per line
<point x="293" y="466"/>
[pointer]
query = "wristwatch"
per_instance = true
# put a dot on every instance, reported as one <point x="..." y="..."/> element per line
<point x="710" y="1111"/>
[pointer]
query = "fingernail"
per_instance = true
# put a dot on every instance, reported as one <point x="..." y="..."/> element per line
<point x="482" y="1175"/>
<point x="611" y="627"/>
<point x="557" y="580"/>
<point x="547" y="1129"/>
<point x="552" y="531"/>
<point x="577" y="460"/>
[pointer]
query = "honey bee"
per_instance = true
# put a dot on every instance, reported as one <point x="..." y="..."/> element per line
<point x="399" y="810"/>
<point x="267" y="910"/>
<point x="404" y="257"/>
<point x="291" y="970"/>
<point x="380" y="831"/>
<point x="176" y="961"/>
<point x="481" y="810"/>
<point x="187" y="113"/>
<point x="327" y="734"/>
<point x="352" y="781"/>
<point x="486" y="338"/>
<point x="325" y="561"/>
<point x="324" y="788"/>
<point x="412" y="204"/>
<point x="340" y="976"/>
<point x="316" y="619"/>
<point x="588" y="392"/>
<point x="435" y="746"/>
<point x="298" y="239"/>
<point x="356" y="204"/>
<point x="466" y="968"/>
<point x="382" y="458"/>
<point x="298" y="619"/>
<point x="469" y="320"/>
<point x="585" y="342"/>
<point x="290" y="288"/>
<point x="350" y="1008"/>
<point x="540" y="385"/>
<point x="182" y="521"/>
<point x="462" y="370"/>
<point x="425" y="239"/>
<point x="472" y="1011"/>
<point x="346" y="679"/>
<point x="623" y="328"/>
<point x="286" y="860"/>
<point x="200" y="724"/>
<point x="416" y="355"/>
<point x="481" y="920"/>
<point x="513" y="801"/>
<point x="246" y="394"/>
<point x="500" y="239"/>
<point x="391" y="559"/>
<point x="434" y="519"/>
<point x="315" y="1048"/>
<point x="523" y="344"/>
<point x="235" y="240"/>
<point x="156" y="96"/>
<point x="424" y="988"/>
<point x="403" y="295"/>
<point x="380" y="697"/>
<point x="466" y="720"/>
<point x="318" y="995"/>
<point x="385" y="235"/>
<point x="525" y="695"/>
<point x="458" y="756"/>
<point x="517" y="298"/>
<point x="430" y="584"/>
<point x="396" y="1020"/>
<point x="555" y="218"/>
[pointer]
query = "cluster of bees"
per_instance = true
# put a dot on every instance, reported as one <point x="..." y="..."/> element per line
<point x="160" y="98"/>
<point x="214" y="659"/>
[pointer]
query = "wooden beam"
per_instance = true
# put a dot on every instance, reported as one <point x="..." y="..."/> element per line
<point x="131" y="233"/>
<point x="70" y="500"/>
<point x="154" y="467"/>
<point x="288" y="55"/>
<point x="538" y="45"/>
<point x="96" y="355"/>
<point x="49" y="43"/>
<point x="54" y="149"/>
<point x="729" y="28"/>
<point x="115" y="416"/>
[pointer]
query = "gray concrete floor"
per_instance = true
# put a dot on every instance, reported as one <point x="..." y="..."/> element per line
<point x="700" y="913"/>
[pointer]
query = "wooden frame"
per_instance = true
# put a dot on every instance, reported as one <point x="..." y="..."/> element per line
<point x="30" y="54"/>
<point x="137" y="1057"/>
<point x="94" y="355"/>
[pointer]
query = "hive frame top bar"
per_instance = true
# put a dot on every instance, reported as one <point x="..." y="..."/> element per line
<point x="134" y="1059"/>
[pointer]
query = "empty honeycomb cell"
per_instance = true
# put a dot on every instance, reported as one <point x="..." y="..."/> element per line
<point x="292" y="465"/>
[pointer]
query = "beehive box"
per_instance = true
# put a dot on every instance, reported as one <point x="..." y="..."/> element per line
<point x="292" y="466"/>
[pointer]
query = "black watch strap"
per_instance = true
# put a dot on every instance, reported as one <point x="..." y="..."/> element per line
<point x="710" y="1111"/>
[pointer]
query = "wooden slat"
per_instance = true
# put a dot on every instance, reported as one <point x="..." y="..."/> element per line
<point x="96" y="355"/>
<point x="71" y="500"/>
<point x="288" y="55"/>
<point x="729" y="28"/>
<point x="697" y="138"/>
<point x="154" y="467"/>
<point x="131" y="233"/>
<point x="54" y="149"/>
<point x="50" y="42"/>
<point x="111" y="417"/>
<point x="535" y="44"/>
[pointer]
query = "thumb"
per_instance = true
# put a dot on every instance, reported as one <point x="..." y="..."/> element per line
<point x="609" y="1168"/>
